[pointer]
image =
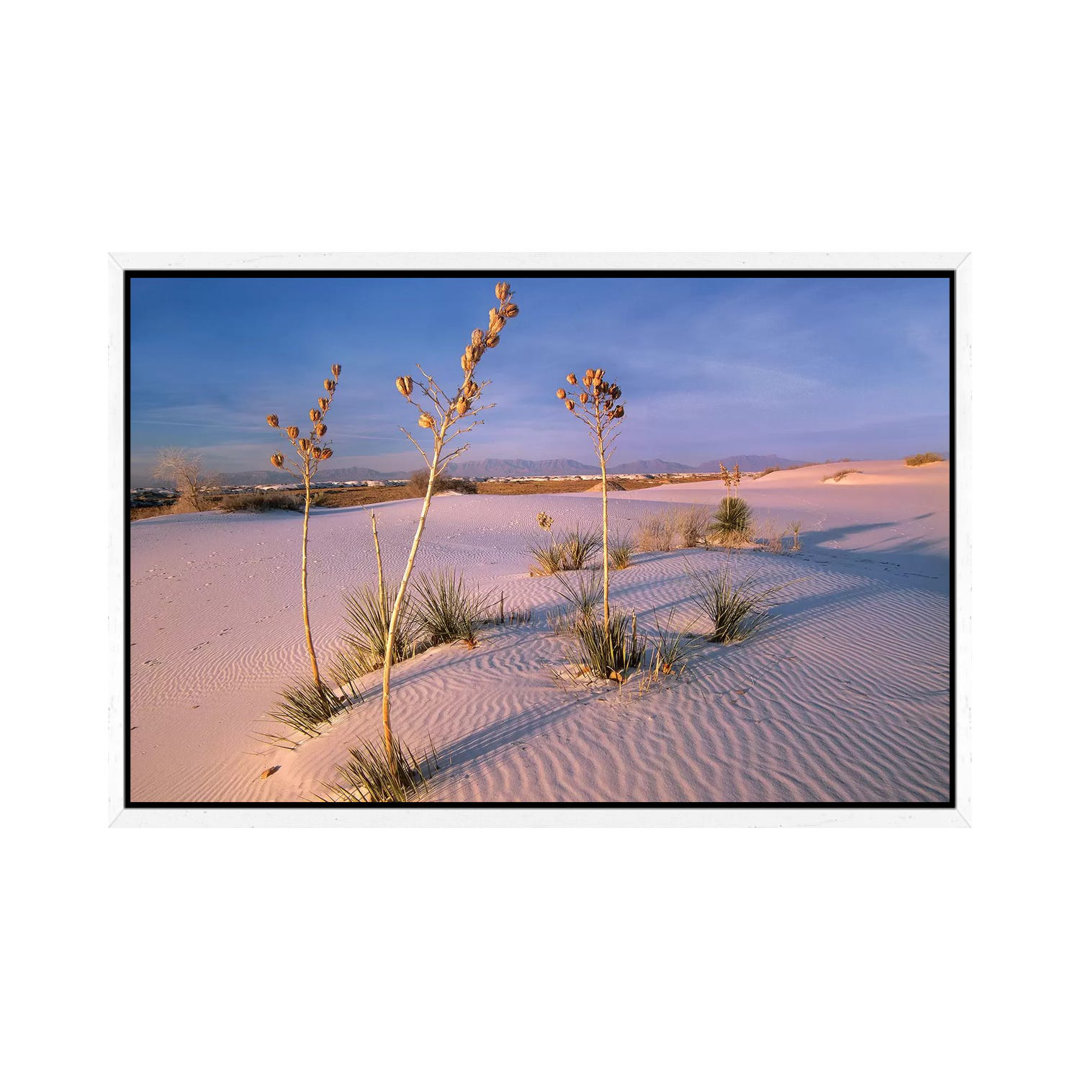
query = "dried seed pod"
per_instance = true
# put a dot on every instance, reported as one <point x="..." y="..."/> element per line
<point x="305" y="445"/>
<point x="462" y="406"/>
<point x="327" y="452"/>
<point x="328" y="384"/>
<point x="560" y="393"/>
<point x="426" y="420"/>
<point x="572" y="379"/>
<point x="598" y="374"/>
<point x="477" y="337"/>
<point x="320" y="430"/>
<point x="618" y="414"/>
<point x="616" y="393"/>
<point x="292" y="431"/>
<point x="316" y="453"/>
<point x="315" y="415"/>
<point x="491" y="340"/>
<point x="404" y="385"/>
<point x="272" y="420"/>
<point x="324" y="403"/>
<point x="510" y="310"/>
<point x="496" y="324"/>
<point x="335" y="370"/>
<point x="569" y="404"/>
<point x="583" y="397"/>
<point x="471" y="389"/>
<point x="502" y="290"/>
<point x="473" y="354"/>
<point x="589" y="376"/>
<point x="277" y="460"/>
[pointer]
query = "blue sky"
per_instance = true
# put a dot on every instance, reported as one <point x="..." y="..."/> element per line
<point x="807" y="368"/>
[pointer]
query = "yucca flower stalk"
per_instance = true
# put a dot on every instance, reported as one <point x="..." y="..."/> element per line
<point x="602" y="415"/>
<point x="309" y="451"/>
<point x="447" y="417"/>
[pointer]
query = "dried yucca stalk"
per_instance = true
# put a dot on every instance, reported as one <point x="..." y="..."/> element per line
<point x="602" y="415"/>
<point x="442" y="414"/>
<point x="309" y="452"/>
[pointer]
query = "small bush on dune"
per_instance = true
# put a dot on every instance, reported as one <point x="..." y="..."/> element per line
<point x="369" y="776"/>
<point x="734" y="611"/>
<point x="448" y="611"/>
<point x="584" y="597"/>
<point x="922" y="459"/>
<point x="691" y="524"/>
<point x="260" y="502"/>
<point x="417" y="484"/>
<point x="655" y="532"/>
<point x="837" y="476"/>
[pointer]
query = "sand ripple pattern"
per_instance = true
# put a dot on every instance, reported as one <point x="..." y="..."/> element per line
<point x="844" y="697"/>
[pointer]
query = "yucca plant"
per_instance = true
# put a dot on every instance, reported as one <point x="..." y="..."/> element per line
<point x="731" y="522"/>
<point x="373" y="776"/>
<point x="367" y="620"/>
<point x="570" y="550"/>
<point x="305" y="707"/>
<point x="795" y="527"/>
<point x="608" y="649"/>
<point x="620" y="550"/>
<point x="447" y="610"/>
<point x="451" y="416"/>
<point x="602" y="416"/>
<point x="734" y="611"/>
<point x="309" y="452"/>
<point x="584" y="595"/>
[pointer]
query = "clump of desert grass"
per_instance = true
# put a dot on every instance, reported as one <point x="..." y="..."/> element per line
<point x="668" y="651"/>
<point x="673" y="528"/>
<point x="838" y="476"/>
<point x="922" y="459"/>
<point x="370" y="775"/>
<point x="447" y="610"/>
<point x="734" y="611"/>
<point x="509" y="615"/>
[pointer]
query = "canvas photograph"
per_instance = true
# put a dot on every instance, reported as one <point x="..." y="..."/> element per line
<point x="563" y="539"/>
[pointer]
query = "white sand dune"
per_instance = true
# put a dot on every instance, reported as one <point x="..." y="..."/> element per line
<point x="844" y="696"/>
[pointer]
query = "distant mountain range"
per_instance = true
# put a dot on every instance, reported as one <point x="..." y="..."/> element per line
<point x="513" y="467"/>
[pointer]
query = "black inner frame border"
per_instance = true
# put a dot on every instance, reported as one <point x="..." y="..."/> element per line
<point x="510" y="274"/>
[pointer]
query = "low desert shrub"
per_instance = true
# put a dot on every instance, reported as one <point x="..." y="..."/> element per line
<point x="369" y="776"/>
<point x="734" y="611"/>
<point x="260" y="501"/>
<point x="446" y="610"/>
<point x="691" y="524"/>
<point x="655" y="532"/>
<point x="841" y="474"/>
<point x="367" y="620"/>
<point x="417" y="484"/>
<point x="922" y="459"/>
<point x="607" y="651"/>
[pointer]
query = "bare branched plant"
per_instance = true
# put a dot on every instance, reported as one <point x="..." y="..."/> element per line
<point x="309" y="451"/>
<point x="447" y="417"/>
<point x="185" y="472"/>
<point x="602" y="415"/>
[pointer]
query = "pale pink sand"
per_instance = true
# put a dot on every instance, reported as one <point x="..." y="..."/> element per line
<point x="845" y="696"/>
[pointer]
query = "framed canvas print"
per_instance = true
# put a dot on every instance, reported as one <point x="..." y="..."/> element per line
<point x="540" y="539"/>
